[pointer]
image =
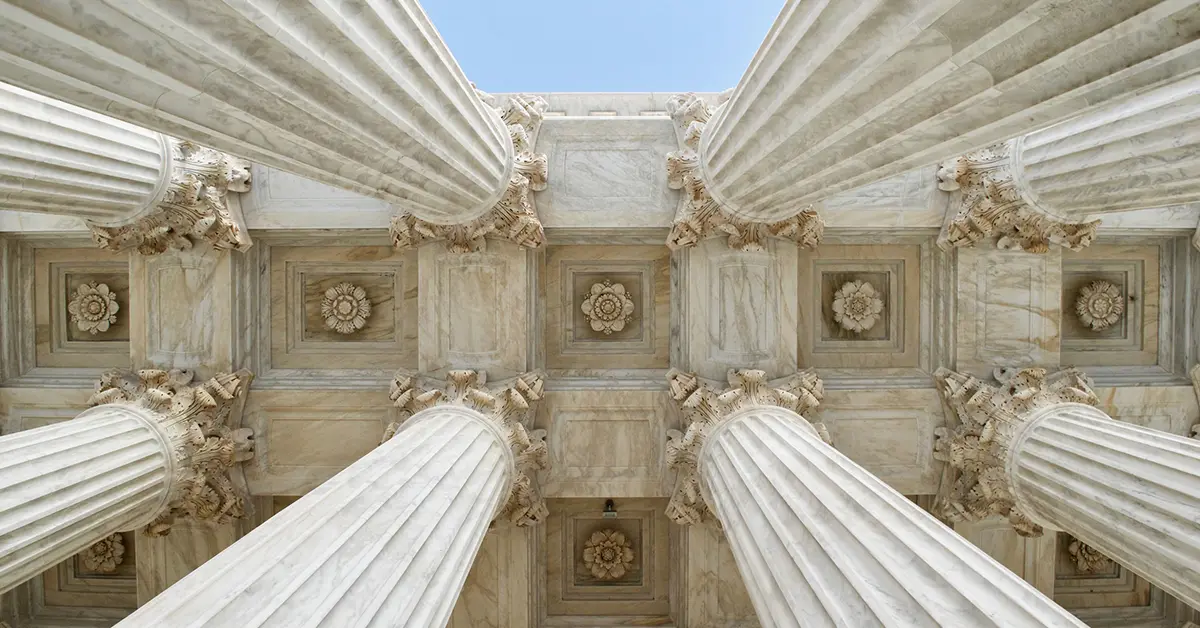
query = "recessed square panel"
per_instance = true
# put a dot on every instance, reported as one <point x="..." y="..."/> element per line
<point x="850" y="289"/>
<point x="607" y="307"/>
<point x="96" y="334"/>
<point x="1118" y="289"/>
<point x="322" y="287"/>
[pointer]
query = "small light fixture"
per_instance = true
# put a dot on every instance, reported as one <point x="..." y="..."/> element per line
<point x="610" y="510"/>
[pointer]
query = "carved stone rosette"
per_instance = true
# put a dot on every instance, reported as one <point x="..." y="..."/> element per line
<point x="194" y="207"/>
<point x="94" y="307"/>
<point x="1100" y="305"/>
<point x="509" y="406"/>
<point x="994" y="203"/>
<point x="1088" y="559"/>
<point x="201" y="421"/>
<point x="702" y="216"/>
<point x="704" y="408"/>
<point x="976" y="483"/>
<point x="608" y="554"/>
<point x="105" y="555"/>
<point x="514" y="217"/>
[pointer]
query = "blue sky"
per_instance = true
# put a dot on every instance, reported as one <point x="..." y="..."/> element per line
<point x="603" y="45"/>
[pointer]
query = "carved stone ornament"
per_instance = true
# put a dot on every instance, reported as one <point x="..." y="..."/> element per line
<point x="94" y="307"/>
<point x="345" y="308"/>
<point x="701" y="216"/>
<point x="509" y="405"/>
<point x="105" y="555"/>
<point x="608" y="554"/>
<point x="607" y="307"/>
<point x="202" y="423"/>
<point x="515" y="217"/>
<point x="975" y="484"/>
<point x="193" y="209"/>
<point x="705" y="407"/>
<point x="994" y="204"/>
<point x="856" y="306"/>
<point x="1087" y="558"/>
<point x="1099" y="305"/>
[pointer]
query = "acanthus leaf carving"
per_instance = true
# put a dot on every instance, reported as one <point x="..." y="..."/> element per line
<point x="705" y="407"/>
<point x="976" y="483"/>
<point x="193" y="209"/>
<point x="514" y="217"/>
<point x="701" y="216"/>
<point x="994" y="204"/>
<point x="509" y="406"/>
<point x="202" y="423"/>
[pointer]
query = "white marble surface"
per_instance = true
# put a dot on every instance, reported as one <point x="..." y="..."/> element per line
<point x="842" y="94"/>
<point x="822" y="542"/>
<point x="1131" y="492"/>
<point x="388" y="541"/>
<point x="311" y="92"/>
<point x="66" y="485"/>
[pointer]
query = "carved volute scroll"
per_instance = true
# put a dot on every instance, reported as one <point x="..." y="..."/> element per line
<point x="514" y="217"/>
<point x="994" y="203"/>
<point x="705" y="407"/>
<point x="509" y="406"/>
<point x="202" y="422"/>
<point x="702" y="216"/>
<point x="194" y="207"/>
<point x="976" y="484"/>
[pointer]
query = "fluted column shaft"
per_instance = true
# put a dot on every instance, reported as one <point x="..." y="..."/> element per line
<point x="67" y="485"/>
<point x="822" y="542"/>
<point x="1137" y="153"/>
<point x="362" y="96"/>
<point x="846" y="92"/>
<point x="1131" y="492"/>
<point x="386" y="542"/>
<point x="59" y="159"/>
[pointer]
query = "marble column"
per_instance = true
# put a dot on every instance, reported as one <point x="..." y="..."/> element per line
<point x="1036" y="450"/>
<point x="820" y="541"/>
<point x="363" y="96"/>
<point x="389" y="540"/>
<point x="135" y="188"/>
<point x="154" y="448"/>
<point x="1045" y="187"/>
<point x="846" y="92"/>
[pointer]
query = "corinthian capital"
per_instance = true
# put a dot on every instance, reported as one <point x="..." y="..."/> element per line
<point x="508" y="406"/>
<point x="514" y="217"/>
<point x="202" y="422"/>
<point x="706" y="406"/>
<point x="701" y="215"/>
<point x="995" y="202"/>
<point x="192" y="208"/>
<point x="976" y="483"/>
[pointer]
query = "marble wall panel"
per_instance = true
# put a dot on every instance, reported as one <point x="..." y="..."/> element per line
<point x="607" y="172"/>
<point x="474" y="309"/>
<point x="1133" y="339"/>
<point x="303" y="438"/>
<point x="1168" y="408"/>
<point x="570" y="341"/>
<point x="164" y="560"/>
<point x="1008" y="309"/>
<point x="499" y="591"/>
<point x="889" y="432"/>
<point x="282" y="200"/>
<point x="740" y="308"/>
<point x="605" y="443"/>
<point x="181" y="310"/>
<point x="715" y="595"/>
<point x="57" y="274"/>
<point x="299" y="278"/>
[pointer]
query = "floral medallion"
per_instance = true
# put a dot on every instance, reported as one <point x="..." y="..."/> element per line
<point x="1100" y="305"/>
<point x="345" y="308"/>
<point x="94" y="307"/>
<point x="856" y="306"/>
<point x="1087" y="558"/>
<point x="608" y="307"/>
<point x="608" y="554"/>
<point x="104" y="555"/>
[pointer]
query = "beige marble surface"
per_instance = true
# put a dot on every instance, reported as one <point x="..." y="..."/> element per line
<point x="1030" y="558"/>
